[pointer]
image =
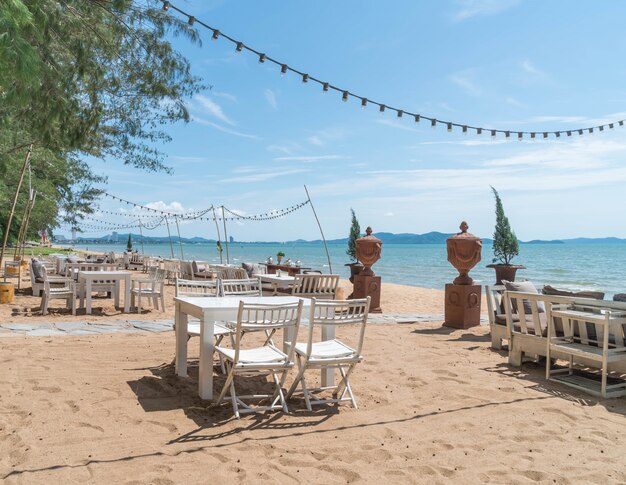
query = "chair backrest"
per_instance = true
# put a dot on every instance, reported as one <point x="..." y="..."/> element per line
<point x="255" y="317"/>
<point x="158" y="276"/>
<point x="210" y="288"/>
<point x="230" y="273"/>
<point x="495" y="305"/>
<point x="338" y="313"/>
<point x="321" y="286"/>
<point x="186" y="270"/>
<point x="241" y="287"/>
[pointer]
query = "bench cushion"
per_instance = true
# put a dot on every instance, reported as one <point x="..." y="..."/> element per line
<point x="38" y="270"/>
<point x="524" y="287"/>
<point x="550" y="290"/>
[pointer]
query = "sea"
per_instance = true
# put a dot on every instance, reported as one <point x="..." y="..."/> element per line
<point x="573" y="266"/>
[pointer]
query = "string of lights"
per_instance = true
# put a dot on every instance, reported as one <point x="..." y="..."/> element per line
<point x="382" y="107"/>
<point x="199" y="215"/>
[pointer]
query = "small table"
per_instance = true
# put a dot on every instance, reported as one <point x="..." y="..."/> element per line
<point x="86" y="279"/>
<point x="276" y="281"/>
<point x="291" y="270"/>
<point x="209" y="310"/>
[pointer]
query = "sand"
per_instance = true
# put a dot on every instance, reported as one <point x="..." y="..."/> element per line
<point x="436" y="405"/>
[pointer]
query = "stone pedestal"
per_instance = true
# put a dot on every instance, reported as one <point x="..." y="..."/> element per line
<point x="462" y="309"/>
<point x="365" y="285"/>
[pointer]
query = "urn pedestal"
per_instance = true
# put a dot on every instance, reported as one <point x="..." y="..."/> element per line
<point x="364" y="286"/>
<point x="462" y="305"/>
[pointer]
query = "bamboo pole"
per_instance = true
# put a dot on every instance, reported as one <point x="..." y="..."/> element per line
<point x="219" y="244"/>
<point x="330" y="266"/>
<point x="141" y="233"/>
<point x="170" y="236"/>
<point x="225" y="236"/>
<point x="180" y="242"/>
<point x="17" y="193"/>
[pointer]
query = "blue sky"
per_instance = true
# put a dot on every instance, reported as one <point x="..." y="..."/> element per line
<point x="257" y="137"/>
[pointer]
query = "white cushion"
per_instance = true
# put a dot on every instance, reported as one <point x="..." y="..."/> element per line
<point x="328" y="349"/>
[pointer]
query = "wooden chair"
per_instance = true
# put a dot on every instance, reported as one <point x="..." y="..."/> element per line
<point x="265" y="360"/>
<point x="241" y="287"/>
<point x="64" y="288"/>
<point x="153" y="287"/>
<point x="328" y="352"/>
<point x="497" y="317"/>
<point x="320" y="286"/>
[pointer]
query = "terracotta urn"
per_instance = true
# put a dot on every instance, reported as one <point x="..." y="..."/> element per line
<point x="464" y="253"/>
<point x="368" y="250"/>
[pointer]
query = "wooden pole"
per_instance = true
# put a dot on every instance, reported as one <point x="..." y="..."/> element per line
<point x="217" y="226"/>
<point x="141" y="233"/>
<point x="180" y="242"/>
<point x="17" y="193"/>
<point x="225" y="236"/>
<point x="330" y="266"/>
<point x="170" y="236"/>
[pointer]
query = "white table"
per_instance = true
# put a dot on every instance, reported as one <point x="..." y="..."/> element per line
<point x="86" y="279"/>
<point x="282" y="281"/>
<point x="210" y="310"/>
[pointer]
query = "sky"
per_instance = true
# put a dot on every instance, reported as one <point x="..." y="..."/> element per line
<point x="256" y="137"/>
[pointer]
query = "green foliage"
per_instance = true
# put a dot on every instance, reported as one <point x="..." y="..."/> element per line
<point x="129" y="243"/>
<point x="355" y="233"/>
<point x="84" y="79"/>
<point x="281" y="254"/>
<point x="505" y="244"/>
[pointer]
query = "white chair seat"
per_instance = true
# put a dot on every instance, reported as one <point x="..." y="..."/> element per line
<point x="193" y="329"/>
<point x="259" y="355"/>
<point x="328" y="349"/>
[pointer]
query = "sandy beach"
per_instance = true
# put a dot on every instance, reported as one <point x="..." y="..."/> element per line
<point x="436" y="405"/>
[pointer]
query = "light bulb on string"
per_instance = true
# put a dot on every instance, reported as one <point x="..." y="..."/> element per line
<point x="601" y="127"/>
<point x="449" y="127"/>
<point x="621" y="122"/>
<point x="611" y="125"/>
<point x="569" y="133"/>
<point x="363" y="102"/>
<point x="283" y="70"/>
<point x="507" y="134"/>
<point x="344" y="96"/>
<point x="590" y="131"/>
<point x="166" y="6"/>
<point x="479" y="131"/>
<point x="532" y="135"/>
<point x="325" y="87"/>
<point x="305" y="78"/>
<point x="239" y="47"/>
<point x="464" y="129"/>
<point x="557" y="134"/>
<point x="520" y="135"/>
<point x="493" y="133"/>
<point x="381" y="109"/>
<point x="191" y="20"/>
<point x="433" y="123"/>
<point x="545" y="134"/>
<point x="417" y="118"/>
<point x="216" y="34"/>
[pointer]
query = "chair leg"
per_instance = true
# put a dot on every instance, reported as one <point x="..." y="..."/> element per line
<point x="233" y="398"/>
<point x="229" y="378"/>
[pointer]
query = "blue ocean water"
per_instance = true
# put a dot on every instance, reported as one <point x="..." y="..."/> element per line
<point x="573" y="266"/>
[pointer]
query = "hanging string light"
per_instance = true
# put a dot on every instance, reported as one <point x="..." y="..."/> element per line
<point x="284" y="68"/>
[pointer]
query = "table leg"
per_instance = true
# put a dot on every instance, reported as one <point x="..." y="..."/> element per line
<point x="81" y="289"/>
<point x="88" y="296"/>
<point x="207" y="347"/>
<point x="117" y="294"/>
<point x="181" y="341"/>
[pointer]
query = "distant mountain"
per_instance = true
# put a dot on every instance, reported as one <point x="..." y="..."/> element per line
<point x="386" y="237"/>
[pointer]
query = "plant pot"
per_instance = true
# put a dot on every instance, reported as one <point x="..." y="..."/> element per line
<point x="505" y="271"/>
<point x="279" y="259"/>
<point x="355" y="269"/>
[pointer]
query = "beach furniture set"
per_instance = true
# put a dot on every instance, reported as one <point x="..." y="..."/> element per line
<point x="585" y="333"/>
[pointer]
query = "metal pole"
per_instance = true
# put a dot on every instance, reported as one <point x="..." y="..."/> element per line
<point x="17" y="193"/>
<point x="217" y="226"/>
<point x="180" y="242"/>
<point x="170" y="236"/>
<point x="330" y="266"/>
<point x="225" y="236"/>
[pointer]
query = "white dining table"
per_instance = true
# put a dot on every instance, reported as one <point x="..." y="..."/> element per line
<point x="208" y="311"/>
<point x="86" y="279"/>
<point x="282" y="281"/>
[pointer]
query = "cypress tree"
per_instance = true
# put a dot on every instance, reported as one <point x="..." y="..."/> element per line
<point x="505" y="244"/>
<point x="355" y="233"/>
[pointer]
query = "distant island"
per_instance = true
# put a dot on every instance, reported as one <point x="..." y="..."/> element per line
<point x="386" y="237"/>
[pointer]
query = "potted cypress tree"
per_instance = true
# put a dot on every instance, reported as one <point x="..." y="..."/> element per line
<point x="355" y="233"/>
<point x="129" y="244"/>
<point x="505" y="245"/>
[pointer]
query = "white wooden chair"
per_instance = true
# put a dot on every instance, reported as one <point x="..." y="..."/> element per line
<point x="264" y="360"/>
<point x="36" y="277"/>
<point x="321" y="286"/>
<point x="496" y="314"/>
<point x="329" y="352"/>
<point x="241" y="287"/>
<point x="152" y="287"/>
<point x="64" y="288"/>
<point x="13" y="269"/>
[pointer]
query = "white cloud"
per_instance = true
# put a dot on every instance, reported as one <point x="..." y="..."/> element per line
<point x="530" y="68"/>
<point x="263" y="176"/>
<point x="481" y="8"/>
<point x="202" y="121"/>
<point x="312" y="158"/>
<point x="315" y="140"/>
<point x="176" y="207"/>
<point x="211" y="107"/>
<point x="271" y="98"/>
<point x="398" y="125"/>
<point x="388" y="214"/>
<point x="228" y="96"/>
<point x="465" y="81"/>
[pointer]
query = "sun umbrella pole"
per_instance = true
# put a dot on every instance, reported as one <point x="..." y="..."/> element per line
<point x="141" y="233"/>
<point x="330" y="267"/>
<point x="180" y="241"/>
